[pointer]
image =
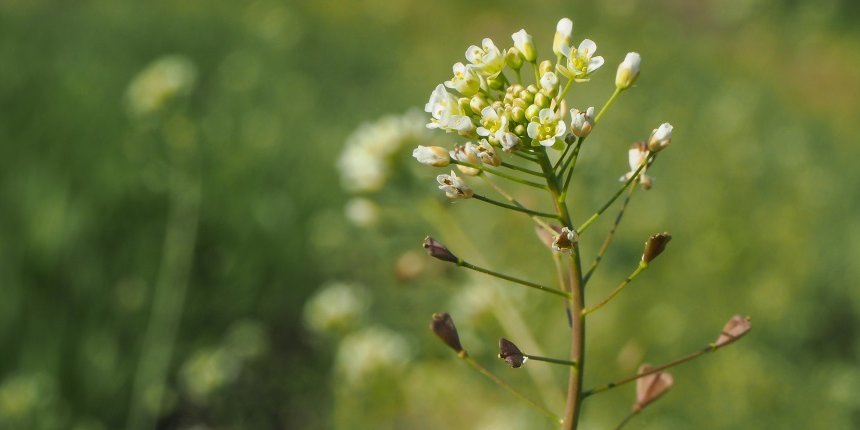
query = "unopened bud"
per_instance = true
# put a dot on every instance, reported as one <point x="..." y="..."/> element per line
<point x="628" y="71"/>
<point x="477" y="103"/>
<point x="443" y="326"/>
<point x="436" y="250"/>
<point x="513" y="58"/>
<point x="435" y="156"/>
<point x="734" y="329"/>
<point x="660" y="138"/>
<point x="511" y="354"/>
<point x="651" y="387"/>
<point x="549" y="83"/>
<point x="563" y="32"/>
<point x="655" y="246"/>
<point x="545" y="67"/>
<point x="525" y="44"/>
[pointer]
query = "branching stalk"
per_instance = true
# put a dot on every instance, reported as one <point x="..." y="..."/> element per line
<point x="641" y="267"/>
<point x="529" y="284"/>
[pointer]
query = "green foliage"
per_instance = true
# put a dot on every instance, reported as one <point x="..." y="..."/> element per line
<point x="758" y="191"/>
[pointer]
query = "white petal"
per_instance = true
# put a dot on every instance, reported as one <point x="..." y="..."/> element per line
<point x="595" y="64"/>
<point x="532" y="129"/>
<point x="548" y="142"/>
<point x="473" y="54"/>
<point x="564" y="26"/>
<point x="587" y="48"/>
<point x="545" y="115"/>
<point x="560" y="129"/>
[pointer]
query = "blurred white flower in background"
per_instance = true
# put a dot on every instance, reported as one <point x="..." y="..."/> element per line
<point x="361" y="211"/>
<point x="161" y="82"/>
<point x="336" y="307"/>
<point x="369" y="351"/>
<point x="365" y="162"/>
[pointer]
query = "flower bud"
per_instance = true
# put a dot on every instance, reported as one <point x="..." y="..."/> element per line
<point x="509" y="141"/>
<point x="477" y="103"/>
<point x="549" y="83"/>
<point x="734" y="329"/>
<point x="628" y="71"/>
<point x="545" y="67"/>
<point x="518" y="113"/>
<point x="660" y="138"/>
<point x="542" y="100"/>
<point x="524" y="43"/>
<point x="563" y="32"/>
<point x="581" y="123"/>
<point x="513" y="58"/>
<point x="495" y="83"/>
<point x="435" y="156"/>
<point x="655" y="246"/>
<point x="465" y="80"/>
<point x="443" y="326"/>
<point x="565" y="240"/>
<point x="651" y="387"/>
<point x="532" y="112"/>
<point x="511" y="354"/>
<point x="438" y="251"/>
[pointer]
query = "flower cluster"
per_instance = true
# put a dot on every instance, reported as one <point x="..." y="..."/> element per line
<point x="488" y="102"/>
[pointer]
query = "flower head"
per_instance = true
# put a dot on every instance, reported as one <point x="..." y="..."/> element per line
<point x="581" y="122"/>
<point x="446" y="112"/>
<point x="525" y="44"/>
<point x="628" y="71"/>
<point x="636" y="156"/>
<point x="547" y="128"/>
<point x="465" y="80"/>
<point x="487" y="59"/>
<point x="491" y="122"/>
<point x="549" y="83"/>
<point x="660" y="138"/>
<point x="581" y="61"/>
<point x="454" y="187"/>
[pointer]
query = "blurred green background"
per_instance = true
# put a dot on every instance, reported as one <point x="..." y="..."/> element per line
<point x="157" y="255"/>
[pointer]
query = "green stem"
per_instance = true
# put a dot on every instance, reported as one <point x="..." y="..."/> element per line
<point x="514" y="207"/>
<point x="627" y="419"/>
<point x="551" y="360"/>
<point x="627" y="183"/>
<point x="609" y="236"/>
<point x="572" y="162"/>
<point x="537" y="73"/>
<point x="565" y="90"/>
<point x="541" y="223"/>
<point x="475" y="365"/>
<point x="529" y="284"/>
<point x="519" y="77"/>
<point x="525" y="156"/>
<point x="608" y="104"/>
<point x="642" y="266"/>
<point x="521" y="169"/>
<point x="159" y="337"/>
<point x="682" y="360"/>
<point x="500" y="174"/>
<point x="576" y="299"/>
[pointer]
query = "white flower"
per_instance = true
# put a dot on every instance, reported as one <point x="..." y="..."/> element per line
<point x="563" y="33"/>
<point x="491" y="122"/>
<point x="454" y="187"/>
<point x="487" y="59"/>
<point x="581" y="61"/>
<point x="435" y="156"/>
<point x="446" y="112"/>
<point x="159" y="84"/>
<point x="466" y="154"/>
<point x="525" y="44"/>
<point x="549" y="83"/>
<point x="547" y="129"/>
<point x="336" y="307"/>
<point x="486" y="153"/>
<point x="465" y="80"/>
<point x="370" y="352"/>
<point x="628" y="71"/>
<point x="636" y="156"/>
<point x="660" y="138"/>
<point x="581" y="123"/>
<point x="361" y="211"/>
